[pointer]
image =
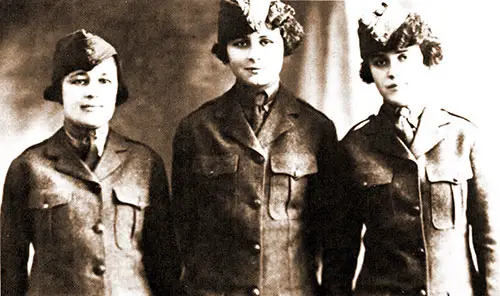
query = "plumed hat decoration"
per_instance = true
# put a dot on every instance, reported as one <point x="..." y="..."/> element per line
<point x="376" y="27"/>
<point x="238" y="18"/>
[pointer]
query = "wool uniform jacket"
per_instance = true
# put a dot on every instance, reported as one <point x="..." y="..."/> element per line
<point x="419" y="206"/>
<point x="248" y="208"/>
<point x="106" y="232"/>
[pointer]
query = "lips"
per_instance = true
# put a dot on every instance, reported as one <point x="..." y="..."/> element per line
<point x="392" y="86"/>
<point x="253" y="69"/>
<point x="90" y="107"/>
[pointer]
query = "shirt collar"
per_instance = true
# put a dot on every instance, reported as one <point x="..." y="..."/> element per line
<point x="247" y="94"/>
<point x="389" y="111"/>
<point x="76" y="134"/>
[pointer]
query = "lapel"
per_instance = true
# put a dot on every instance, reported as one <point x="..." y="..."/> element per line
<point x="384" y="139"/>
<point x="431" y="130"/>
<point x="65" y="158"/>
<point x="68" y="162"/>
<point x="279" y="120"/>
<point x="233" y="123"/>
<point x="113" y="155"/>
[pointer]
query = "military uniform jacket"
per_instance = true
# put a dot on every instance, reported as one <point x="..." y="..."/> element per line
<point x="106" y="232"/>
<point x="248" y="207"/>
<point x="419" y="206"/>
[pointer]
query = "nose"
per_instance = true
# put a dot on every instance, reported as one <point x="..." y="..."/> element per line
<point x="254" y="52"/>
<point x="91" y="90"/>
<point x="393" y="69"/>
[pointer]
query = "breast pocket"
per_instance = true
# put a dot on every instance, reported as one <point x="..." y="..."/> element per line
<point x="215" y="179"/>
<point x="376" y="187"/>
<point x="50" y="211"/>
<point x="288" y="184"/>
<point x="448" y="192"/>
<point x="130" y="203"/>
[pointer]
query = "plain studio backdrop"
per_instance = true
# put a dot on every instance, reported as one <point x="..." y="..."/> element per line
<point x="165" y="50"/>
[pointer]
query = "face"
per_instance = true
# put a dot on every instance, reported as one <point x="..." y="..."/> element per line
<point x="89" y="97"/>
<point x="398" y="75"/>
<point x="256" y="59"/>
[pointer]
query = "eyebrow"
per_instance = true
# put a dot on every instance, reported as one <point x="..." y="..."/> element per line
<point x="78" y="72"/>
<point x="384" y="53"/>
<point x="402" y="50"/>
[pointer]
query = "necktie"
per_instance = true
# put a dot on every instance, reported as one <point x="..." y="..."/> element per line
<point x="92" y="156"/>
<point x="404" y="128"/>
<point x="258" y="113"/>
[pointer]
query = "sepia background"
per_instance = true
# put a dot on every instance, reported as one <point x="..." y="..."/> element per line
<point x="165" y="50"/>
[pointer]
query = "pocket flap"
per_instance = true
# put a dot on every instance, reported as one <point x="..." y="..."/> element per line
<point x="296" y="165"/>
<point x="451" y="174"/>
<point x="380" y="176"/>
<point x="215" y="165"/>
<point x="45" y="200"/>
<point x="132" y="195"/>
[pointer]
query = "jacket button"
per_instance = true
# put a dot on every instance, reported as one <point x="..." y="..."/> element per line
<point x="421" y="250"/>
<point x="45" y="206"/>
<point x="260" y="159"/>
<point x="100" y="269"/>
<point x="256" y="248"/>
<point x="98" y="228"/>
<point x="255" y="291"/>
<point x="96" y="188"/>
<point x="256" y="203"/>
<point x="422" y="292"/>
<point x="416" y="210"/>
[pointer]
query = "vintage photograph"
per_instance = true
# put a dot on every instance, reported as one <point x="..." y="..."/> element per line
<point x="249" y="147"/>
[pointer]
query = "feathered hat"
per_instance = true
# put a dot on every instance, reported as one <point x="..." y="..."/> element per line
<point x="238" y="18"/>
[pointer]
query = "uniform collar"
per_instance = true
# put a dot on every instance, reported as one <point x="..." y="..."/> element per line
<point x="247" y="94"/>
<point x="76" y="134"/>
<point x="391" y="112"/>
<point x="431" y="130"/>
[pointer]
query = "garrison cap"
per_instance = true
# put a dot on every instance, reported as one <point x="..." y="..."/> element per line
<point x="238" y="18"/>
<point x="80" y="50"/>
<point x="376" y="27"/>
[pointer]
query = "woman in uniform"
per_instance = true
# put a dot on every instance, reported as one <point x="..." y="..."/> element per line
<point x="94" y="204"/>
<point x="253" y="168"/>
<point x="416" y="176"/>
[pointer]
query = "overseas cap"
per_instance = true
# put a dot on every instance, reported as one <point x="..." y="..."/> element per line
<point x="79" y="50"/>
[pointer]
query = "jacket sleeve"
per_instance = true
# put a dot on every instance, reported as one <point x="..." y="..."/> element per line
<point x="483" y="215"/>
<point x="15" y="231"/>
<point x="185" y="213"/>
<point x="161" y="258"/>
<point x="342" y="243"/>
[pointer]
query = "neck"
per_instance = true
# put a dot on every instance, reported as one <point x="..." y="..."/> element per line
<point x="270" y="89"/>
<point x="78" y="131"/>
<point x="415" y="108"/>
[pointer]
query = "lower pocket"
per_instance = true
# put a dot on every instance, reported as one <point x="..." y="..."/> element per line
<point x="446" y="203"/>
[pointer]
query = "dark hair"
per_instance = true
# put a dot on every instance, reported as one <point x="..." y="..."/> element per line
<point x="413" y="31"/>
<point x="54" y="92"/>
<point x="290" y="29"/>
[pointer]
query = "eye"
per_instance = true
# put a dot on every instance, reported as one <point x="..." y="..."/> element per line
<point x="104" y="81"/>
<point x="402" y="57"/>
<point x="379" y="62"/>
<point x="266" y="41"/>
<point x="240" y="43"/>
<point x="79" y="81"/>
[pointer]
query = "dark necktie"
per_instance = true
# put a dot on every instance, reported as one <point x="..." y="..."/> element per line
<point x="258" y="113"/>
<point x="404" y="128"/>
<point x="92" y="156"/>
